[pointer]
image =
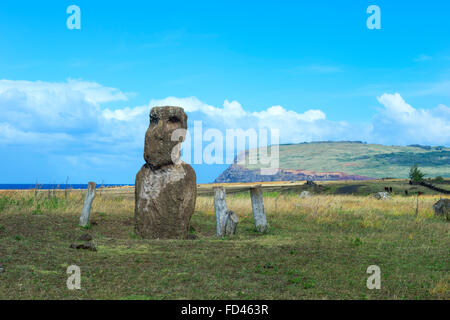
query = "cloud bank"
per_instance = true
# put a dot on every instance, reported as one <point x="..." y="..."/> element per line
<point x="69" y="119"/>
<point x="400" y="123"/>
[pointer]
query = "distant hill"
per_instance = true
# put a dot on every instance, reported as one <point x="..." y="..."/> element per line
<point x="344" y="160"/>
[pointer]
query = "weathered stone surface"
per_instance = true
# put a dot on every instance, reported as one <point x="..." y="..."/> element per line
<point x="86" y="246"/>
<point x="220" y="209"/>
<point x="192" y="237"/>
<point x="159" y="148"/>
<point x="86" y="211"/>
<point x="166" y="187"/>
<point x="226" y="220"/>
<point x="259" y="215"/>
<point x="442" y="208"/>
<point x="305" y="194"/>
<point x="165" y="201"/>
<point x="85" y="237"/>
<point x="382" y="196"/>
<point x="231" y="223"/>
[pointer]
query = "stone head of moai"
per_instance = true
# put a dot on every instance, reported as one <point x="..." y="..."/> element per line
<point x="166" y="132"/>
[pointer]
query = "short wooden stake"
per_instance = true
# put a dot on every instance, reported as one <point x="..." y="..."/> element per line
<point x="84" y="218"/>
<point x="226" y="220"/>
<point x="231" y="223"/>
<point x="259" y="214"/>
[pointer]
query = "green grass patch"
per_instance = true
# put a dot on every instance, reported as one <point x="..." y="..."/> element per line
<point x="306" y="255"/>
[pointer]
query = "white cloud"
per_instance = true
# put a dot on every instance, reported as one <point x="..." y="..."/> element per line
<point x="71" y="114"/>
<point x="230" y="112"/>
<point x="9" y="135"/>
<point x="126" y="114"/>
<point x="233" y="110"/>
<point x="395" y="105"/>
<point x="442" y="110"/>
<point x="281" y="113"/>
<point x="396" y="123"/>
<point x="294" y="127"/>
<point x="400" y="123"/>
<point x="93" y="92"/>
<point x="67" y="107"/>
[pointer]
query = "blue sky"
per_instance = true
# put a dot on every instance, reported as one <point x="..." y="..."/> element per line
<point x="75" y="102"/>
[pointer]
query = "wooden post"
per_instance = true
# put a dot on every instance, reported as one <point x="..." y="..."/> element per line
<point x="65" y="189"/>
<point x="276" y="203"/>
<point x="84" y="218"/>
<point x="231" y="223"/>
<point x="259" y="214"/>
<point x="220" y="207"/>
<point x="36" y="189"/>
<point x="417" y="204"/>
<point x="226" y="220"/>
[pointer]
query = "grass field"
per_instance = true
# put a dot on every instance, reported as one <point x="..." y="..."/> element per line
<point x="317" y="248"/>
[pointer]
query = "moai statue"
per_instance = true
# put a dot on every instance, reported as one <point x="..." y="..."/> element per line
<point x="166" y="187"/>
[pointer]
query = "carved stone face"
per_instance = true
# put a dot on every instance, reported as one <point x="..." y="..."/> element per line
<point x="160" y="149"/>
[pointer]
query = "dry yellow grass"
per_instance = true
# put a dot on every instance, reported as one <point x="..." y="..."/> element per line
<point x="317" y="248"/>
<point x="323" y="206"/>
<point x="326" y="205"/>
